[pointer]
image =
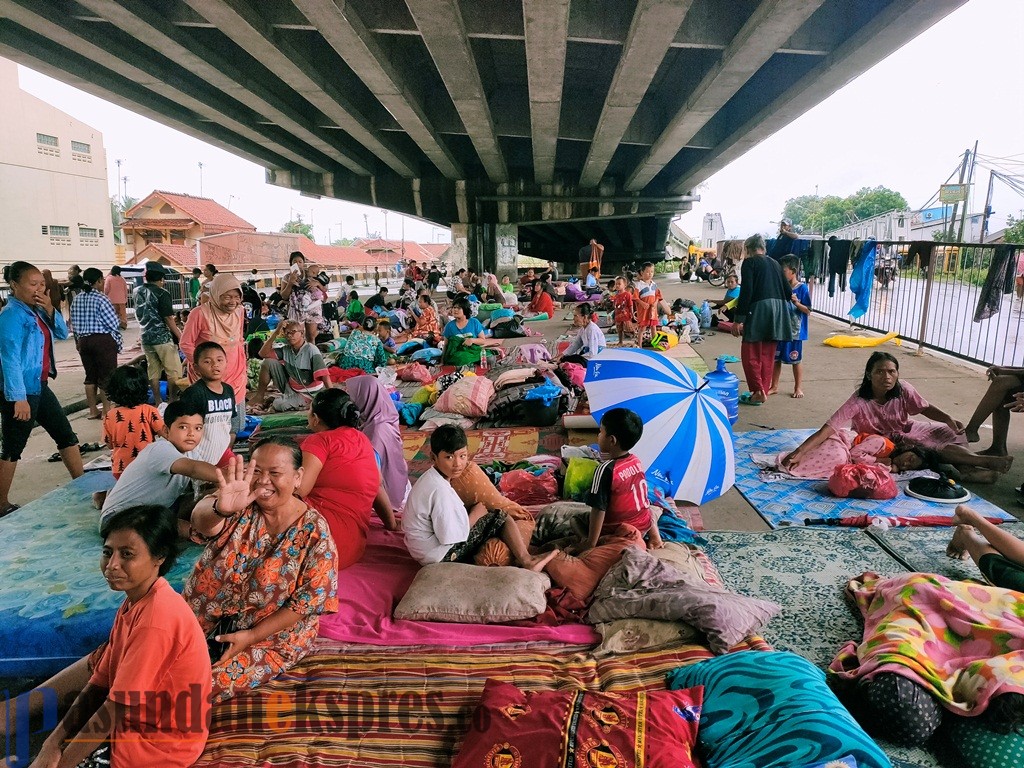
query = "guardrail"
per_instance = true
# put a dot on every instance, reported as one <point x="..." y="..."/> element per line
<point x="934" y="305"/>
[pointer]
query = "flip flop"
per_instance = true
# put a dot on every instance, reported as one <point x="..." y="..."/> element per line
<point x="729" y="358"/>
<point x="747" y="398"/>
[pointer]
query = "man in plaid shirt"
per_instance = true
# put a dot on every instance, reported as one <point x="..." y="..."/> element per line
<point x="97" y="330"/>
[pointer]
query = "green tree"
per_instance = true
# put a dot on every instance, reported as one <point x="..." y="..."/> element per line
<point x="298" y="227"/>
<point x="117" y="209"/>
<point x="824" y="214"/>
<point x="343" y="241"/>
<point x="1014" y="230"/>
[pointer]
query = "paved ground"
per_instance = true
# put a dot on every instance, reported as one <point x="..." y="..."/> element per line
<point x="829" y="377"/>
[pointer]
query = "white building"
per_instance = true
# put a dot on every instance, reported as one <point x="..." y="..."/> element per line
<point x="712" y="231"/>
<point x="53" y="183"/>
<point x="891" y="225"/>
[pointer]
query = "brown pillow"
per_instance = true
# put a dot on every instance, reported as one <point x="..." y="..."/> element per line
<point x="474" y="486"/>
<point x="631" y="635"/>
<point x="495" y="552"/>
<point x="469" y="594"/>
<point x="581" y="575"/>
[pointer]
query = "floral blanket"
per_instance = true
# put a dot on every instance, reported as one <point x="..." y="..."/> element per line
<point x="961" y="641"/>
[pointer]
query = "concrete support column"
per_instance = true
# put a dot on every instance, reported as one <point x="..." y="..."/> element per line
<point x="459" y="251"/>
<point x="507" y="251"/>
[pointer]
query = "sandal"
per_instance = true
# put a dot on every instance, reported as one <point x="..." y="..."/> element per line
<point x="747" y="398"/>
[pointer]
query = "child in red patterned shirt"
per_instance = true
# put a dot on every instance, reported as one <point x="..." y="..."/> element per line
<point x="619" y="491"/>
<point x="622" y="306"/>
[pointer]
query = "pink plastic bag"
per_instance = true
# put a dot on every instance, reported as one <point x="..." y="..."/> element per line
<point x="576" y="373"/>
<point x="415" y="372"/>
<point x="862" y="481"/>
<point x="527" y="489"/>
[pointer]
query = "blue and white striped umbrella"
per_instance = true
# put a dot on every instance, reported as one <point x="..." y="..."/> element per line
<point x="687" y="441"/>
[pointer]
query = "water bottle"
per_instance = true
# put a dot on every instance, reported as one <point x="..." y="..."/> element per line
<point x="483" y="360"/>
<point x="726" y="386"/>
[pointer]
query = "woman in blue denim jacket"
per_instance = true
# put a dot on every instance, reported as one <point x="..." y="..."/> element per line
<point x="28" y="325"/>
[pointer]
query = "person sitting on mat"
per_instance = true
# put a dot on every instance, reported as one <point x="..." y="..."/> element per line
<point x="540" y="304"/>
<point x="439" y="528"/>
<point x="618" y="493"/>
<point x="884" y="405"/>
<point x="589" y="339"/>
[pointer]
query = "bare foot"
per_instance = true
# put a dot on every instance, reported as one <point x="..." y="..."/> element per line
<point x="538" y="563"/>
<point x="957" y="547"/>
<point x="773" y="391"/>
<point x="965" y="515"/>
<point x="991" y="451"/>
<point x="797" y="394"/>
<point x="1004" y="465"/>
<point x="759" y="397"/>
<point x="972" y="435"/>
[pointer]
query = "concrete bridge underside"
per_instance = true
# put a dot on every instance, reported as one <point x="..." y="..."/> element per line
<point x="569" y="118"/>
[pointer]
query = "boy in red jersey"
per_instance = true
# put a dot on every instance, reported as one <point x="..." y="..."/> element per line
<point x="619" y="491"/>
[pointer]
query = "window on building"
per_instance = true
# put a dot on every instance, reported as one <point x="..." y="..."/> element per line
<point x="47" y="140"/>
<point x="101" y="233"/>
<point x="46" y="230"/>
<point x="88" y="232"/>
<point x="59" y="231"/>
<point x="78" y="146"/>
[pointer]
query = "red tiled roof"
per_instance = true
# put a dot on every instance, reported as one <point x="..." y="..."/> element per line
<point x="436" y="250"/>
<point x="245" y="250"/>
<point x="202" y="209"/>
<point x="183" y="256"/>
<point x="394" y="248"/>
<point x="157" y="224"/>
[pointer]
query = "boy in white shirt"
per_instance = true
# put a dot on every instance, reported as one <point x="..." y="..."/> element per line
<point x="439" y="528"/>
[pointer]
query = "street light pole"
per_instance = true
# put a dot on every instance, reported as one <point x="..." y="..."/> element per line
<point x="200" y="178"/>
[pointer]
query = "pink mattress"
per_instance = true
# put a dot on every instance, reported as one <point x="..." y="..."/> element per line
<point x="369" y="591"/>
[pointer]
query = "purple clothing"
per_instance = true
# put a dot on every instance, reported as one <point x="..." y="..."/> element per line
<point x="380" y="425"/>
<point x="892" y="420"/>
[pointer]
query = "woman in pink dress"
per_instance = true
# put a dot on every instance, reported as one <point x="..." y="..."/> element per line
<point x="884" y="405"/>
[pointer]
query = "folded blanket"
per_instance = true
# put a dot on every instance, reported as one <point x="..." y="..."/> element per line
<point x="961" y="641"/>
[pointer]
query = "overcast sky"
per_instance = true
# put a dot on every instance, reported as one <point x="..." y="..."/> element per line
<point x="902" y="124"/>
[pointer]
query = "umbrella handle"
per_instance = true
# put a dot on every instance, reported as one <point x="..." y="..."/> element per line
<point x="706" y="383"/>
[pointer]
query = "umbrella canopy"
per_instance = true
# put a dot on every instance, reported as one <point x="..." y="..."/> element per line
<point x="687" y="441"/>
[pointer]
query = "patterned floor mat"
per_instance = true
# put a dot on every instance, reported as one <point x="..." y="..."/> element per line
<point x="806" y="570"/>
<point x="793" y="502"/>
<point x="924" y="550"/>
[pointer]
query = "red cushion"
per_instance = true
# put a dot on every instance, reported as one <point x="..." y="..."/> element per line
<point x="516" y="729"/>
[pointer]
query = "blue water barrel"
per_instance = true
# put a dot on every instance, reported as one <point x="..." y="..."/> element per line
<point x="726" y="386"/>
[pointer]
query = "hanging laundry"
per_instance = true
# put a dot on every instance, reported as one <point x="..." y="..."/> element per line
<point x="813" y="260"/>
<point x="920" y="249"/>
<point x="1000" y="278"/>
<point x="862" y="278"/>
<point x="838" y="260"/>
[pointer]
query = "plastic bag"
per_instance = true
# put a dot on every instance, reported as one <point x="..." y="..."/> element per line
<point x="388" y="377"/>
<point x="862" y="481"/>
<point x="578" y="477"/>
<point x="415" y="372"/>
<point x="526" y="488"/>
<point x="547" y="393"/>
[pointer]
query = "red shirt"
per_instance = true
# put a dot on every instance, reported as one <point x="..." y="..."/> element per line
<point x="47" y="348"/>
<point x="345" y="488"/>
<point x="622" y="303"/>
<point x="541" y="302"/>
<point x="620" y="489"/>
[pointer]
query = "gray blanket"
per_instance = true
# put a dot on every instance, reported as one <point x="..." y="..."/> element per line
<point x="642" y="586"/>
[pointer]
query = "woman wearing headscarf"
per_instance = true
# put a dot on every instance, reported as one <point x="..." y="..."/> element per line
<point x="222" y="320"/>
<point x="495" y="294"/>
<point x="380" y="425"/>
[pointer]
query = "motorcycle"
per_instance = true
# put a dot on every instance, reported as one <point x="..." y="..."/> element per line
<point x="885" y="272"/>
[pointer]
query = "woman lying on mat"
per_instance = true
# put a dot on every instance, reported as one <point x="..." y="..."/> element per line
<point x="883" y="405"/>
<point x="340" y="475"/>
<point x="269" y="569"/>
<point x="156" y="650"/>
<point x="998" y="553"/>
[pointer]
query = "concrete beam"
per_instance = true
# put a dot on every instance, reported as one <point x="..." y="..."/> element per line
<point x="444" y="34"/>
<point x="346" y="33"/>
<point x="769" y="26"/>
<point x="175" y="44"/>
<point x="546" y="24"/>
<point x="49" y="59"/>
<point x="242" y="24"/>
<point x="888" y="30"/>
<point x="654" y="25"/>
<point x="636" y="234"/>
<point x="172" y="84"/>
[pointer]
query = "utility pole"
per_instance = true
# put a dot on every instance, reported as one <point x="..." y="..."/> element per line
<point x="988" y="205"/>
<point x="125" y="180"/>
<point x="341" y="232"/>
<point x="970" y="177"/>
<point x="366" y="224"/>
<point x="120" y="199"/>
<point x="200" y="178"/>
<point x="952" y="219"/>
<point x="384" y="211"/>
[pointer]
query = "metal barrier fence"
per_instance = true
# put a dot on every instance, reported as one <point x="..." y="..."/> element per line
<point x="933" y="305"/>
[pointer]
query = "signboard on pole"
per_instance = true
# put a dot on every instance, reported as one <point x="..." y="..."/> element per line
<point x="953" y="193"/>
